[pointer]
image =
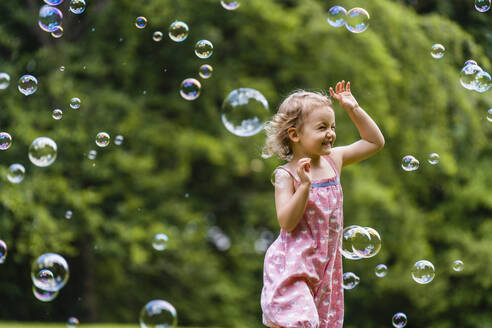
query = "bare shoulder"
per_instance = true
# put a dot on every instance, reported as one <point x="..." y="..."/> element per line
<point x="336" y="156"/>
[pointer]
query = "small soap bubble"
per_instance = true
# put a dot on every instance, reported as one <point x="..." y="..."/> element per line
<point x="57" y="114"/>
<point x="158" y="314"/>
<point x="350" y="280"/>
<point x="483" y="81"/>
<point x="3" y="251"/>
<point x="204" y="49"/>
<point x="458" y="265"/>
<point x="92" y="154"/>
<point x="141" y="22"/>
<point x="46" y="277"/>
<point x="409" y="163"/>
<point x="72" y="322"/>
<point x="160" y="242"/>
<point x="75" y="103"/>
<point x="43" y="151"/>
<point x="230" y="5"/>
<point x="187" y="195"/>
<point x="423" y="272"/>
<point x="206" y="71"/>
<point x="157" y="36"/>
<point x="489" y="118"/>
<point x="53" y="2"/>
<point x="68" y="215"/>
<point x="244" y="112"/>
<point x="399" y="320"/>
<point x="336" y="16"/>
<point x="77" y="6"/>
<point x="190" y="89"/>
<point x="62" y="68"/>
<point x="437" y="50"/>
<point x="102" y="139"/>
<point x="50" y="18"/>
<point x="16" y="173"/>
<point x="58" y="267"/>
<point x="28" y="85"/>
<point x="43" y="295"/>
<point x="5" y="140"/>
<point x="58" y="33"/>
<point x="433" y="158"/>
<point x="381" y="270"/>
<point x="357" y="20"/>
<point x="178" y="31"/>
<point x="118" y="140"/>
<point x="93" y="29"/>
<point x="468" y="76"/>
<point x="4" y="81"/>
<point x="482" y="5"/>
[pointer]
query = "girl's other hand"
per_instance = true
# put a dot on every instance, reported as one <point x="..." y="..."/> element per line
<point x="304" y="170"/>
<point x="344" y="96"/>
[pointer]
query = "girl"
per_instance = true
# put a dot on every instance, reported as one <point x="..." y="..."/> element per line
<point x="302" y="276"/>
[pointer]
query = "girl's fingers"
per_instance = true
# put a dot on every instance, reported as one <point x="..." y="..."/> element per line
<point x="348" y="86"/>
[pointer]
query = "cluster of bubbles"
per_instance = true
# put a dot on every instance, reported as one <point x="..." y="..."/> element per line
<point x="399" y="320"/>
<point x="423" y="272"/>
<point x="219" y="238"/>
<point x="356" y="20"/>
<point x="482" y="5"/>
<point x="473" y="77"/>
<point x="350" y="280"/>
<point x="410" y="163"/>
<point x="230" y="5"/>
<point x="360" y="242"/>
<point x="437" y="51"/>
<point x="160" y="242"/>
<point x="50" y="18"/>
<point x="49" y="274"/>
<point x="158" y="314"/>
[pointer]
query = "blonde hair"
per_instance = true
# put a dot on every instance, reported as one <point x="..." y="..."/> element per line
<point x="291" y="113"/>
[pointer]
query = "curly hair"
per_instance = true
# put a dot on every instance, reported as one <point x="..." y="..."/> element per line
<point x="291" y="113"/>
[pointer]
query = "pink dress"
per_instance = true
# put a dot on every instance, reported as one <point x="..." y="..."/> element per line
<point x="302" y="273"/>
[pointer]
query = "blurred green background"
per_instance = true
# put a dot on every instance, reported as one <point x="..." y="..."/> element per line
<point x="180" y="172"/>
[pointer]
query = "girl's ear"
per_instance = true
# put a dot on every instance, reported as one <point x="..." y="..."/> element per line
<point x="293" y="134"/>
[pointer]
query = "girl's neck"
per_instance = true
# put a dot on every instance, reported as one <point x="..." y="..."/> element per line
<point x="315" y="159"/>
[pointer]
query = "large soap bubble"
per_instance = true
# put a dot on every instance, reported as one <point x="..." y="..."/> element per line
<point x="348" y="235"/>
<point x="158" y="314"/>
<point x="43" y="151"/>
<point x="178" y="31"/>
<point x="244" y="111"/>
<point x="423" y="272"/>
<point x="468" y="76"/>
<point x="368" y="244"/>
<point x="50" y="18"/>
<point x="336" y="16"/>
<point x="357" y="20"/>
<point x="56" y="265"/>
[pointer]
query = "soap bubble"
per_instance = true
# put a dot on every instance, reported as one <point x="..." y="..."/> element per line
<point x="158" y="314"/>
<point x="357" y="20"/>
<point x="423" y="272"/>
<point x="437" y="50"/>
<point x="336" y="16"/>
<point x="28" y="85"/>
<point x="49" y="18"/>
<point x="118" y="140"/>
<point x="482" y="5"/>
<point x="141" y="22"/>
<point x="458" y="265"/>
<point x="75" y="103"/>
<point x="483" y="81"/>
<point x="178" y="31"/>
<point x="77" y="6"/>
<point x="4" y="81"/>
<point x="68" y="215"/>
<point x="206" y="71"/>
<point x="468" y="76"/>
<point x="160" y="242"/>
<point x="57" y="33"/>
<point x="367" y="244"/>
<point x="190" y="89"/>
<point x="470" y="62"/>
<point x="43" y="295"/>
<point x="102" y="139"/>
<point x="54" y="263"/>
<point x="92" y="154"/>
<point x="410" y="163"/>
<point x="3" y="251"/>
<point x="53" y="2"/>
<point x="204" y="49"/>
<point x="72" y="322"/>
<point x="244" y="111"/>
<point x="348" y="236"/>
<point x="350" y="280"/>
<point x="399" y="320"/>
<point x="46" y="278"/>
<point x="433" y="158"/>
<point x="57" y="114"/>
<point x="43" y="151"/>
<point x="230" y="5"/>
<point x="5" y="141"/>
<point x="16" y="173"/>
<point x="62" y="68"/>
<point x="489" y="118"/>
<point x="381" y="270"/>
<point x="157" y="36"/>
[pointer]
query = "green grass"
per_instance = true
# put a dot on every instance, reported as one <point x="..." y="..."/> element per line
<point x="14" y="324"/>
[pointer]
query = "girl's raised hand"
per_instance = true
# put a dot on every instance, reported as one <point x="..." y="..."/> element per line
<point x="304" y="170"/>
<point x="344" y="96"/>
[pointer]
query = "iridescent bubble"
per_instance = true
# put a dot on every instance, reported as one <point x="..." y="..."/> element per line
<point x="410" y="163"/>
<point x="68" y="214"/>
<point x="458" y="265"/>
<point x="62" y="68"/>
<point x="57" y="33"/>
<point x="158" y="314"/>
<point x="43" y="151"/>
<point x="190" y="89"/>
<point x="54" y="263"/>
<point x="399" y="320"/>
<point x="53" y="2"/>
<point x="3" y="251"/>
<point x="381" y="270"/>
<point x="206" y="71"/>
<point x="489" y="118"/>
<point x="5" y="141"/>
<point x="357" y="20"/>
<point x="28" y="85"/>
<point x="470" y="62"/>
<point x="437" y="50"/>
<point x="157" y="36"/>
<point x="244" y="111"/>
<point x="92" y="154"/>
<point x="50" y="18"/>
<point x="350" y="280"/>
<point x="336" y="16"/>
<point x="160" y="242"/>
<point x="483" y="81"/>
<point x="204" y="49"/>
<point x="482" y="5"/>
<point x="75" y="103"/>
<point x="119" y="139"/>
<point x="141" y="22"/>
<point x="4" y="81"/>
<point x="178" y="31"/>
<point x="16" y="173"/>
<point x="468" y="76"/>
<point x="43" y="295"/>
<point x="423" y="272"/>
<point x="230" y="5"/>
<point x="46" y="278"/>
<point x="102" y="139"/>
<point x="433" y="158"/>
<point x="77" y="6"/>
<point x="366" y="244"/>
<point x="72" y="322"/>
<point x="57" y="114"/>
<point x="348" y="235"/>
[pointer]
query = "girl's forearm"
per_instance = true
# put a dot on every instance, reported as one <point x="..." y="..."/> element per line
<point x="368" y="129"/>
<point x="290" y="214"/>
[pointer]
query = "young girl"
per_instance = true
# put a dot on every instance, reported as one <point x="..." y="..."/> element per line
<point x="302" y="279"/>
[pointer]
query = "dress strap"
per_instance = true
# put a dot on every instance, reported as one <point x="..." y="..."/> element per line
<point x="294" y="176"/>
<point x="332" y="163"/>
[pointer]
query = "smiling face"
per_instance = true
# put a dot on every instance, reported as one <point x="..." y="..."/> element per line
<point x="317" y="134"/>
